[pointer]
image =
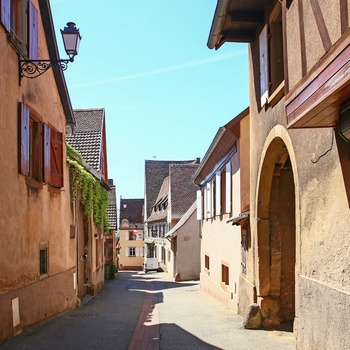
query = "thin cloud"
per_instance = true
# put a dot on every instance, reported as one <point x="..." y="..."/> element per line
<point x="163" y="70"/>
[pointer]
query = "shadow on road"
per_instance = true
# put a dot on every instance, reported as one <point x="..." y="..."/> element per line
<point x="175" y="337"/>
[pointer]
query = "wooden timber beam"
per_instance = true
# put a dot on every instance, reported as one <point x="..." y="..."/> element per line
<point x="247" y="17"/>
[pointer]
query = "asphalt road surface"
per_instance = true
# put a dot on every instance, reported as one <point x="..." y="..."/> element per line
<point x="183" y="316"/>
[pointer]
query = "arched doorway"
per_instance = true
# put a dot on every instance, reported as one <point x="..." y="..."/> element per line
<point x="276" y="237"/>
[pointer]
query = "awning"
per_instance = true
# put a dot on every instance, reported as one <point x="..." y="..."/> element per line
<point x="237" y="220"/>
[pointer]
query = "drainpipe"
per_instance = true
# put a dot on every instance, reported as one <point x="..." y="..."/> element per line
<point x="218" y="22"/>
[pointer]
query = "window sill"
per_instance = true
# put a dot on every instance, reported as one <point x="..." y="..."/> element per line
<point x="16" y="44"/>
<point x="54" y="190"/>
<point x="33" y="183"/>
<point x="224" y="286"/>
<point x="276" y="95"/>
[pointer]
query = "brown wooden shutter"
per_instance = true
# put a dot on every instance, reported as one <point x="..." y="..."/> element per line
<point x="33" y="32"/>
<point x="23" y="161"/>
<point x="56" y="158"/>
<point x="264" y="69"/>
<point x="46" y="152"/>
<point x="5" y="14"/>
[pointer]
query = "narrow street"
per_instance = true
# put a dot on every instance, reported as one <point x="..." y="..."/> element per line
<point x="149" y="311"/>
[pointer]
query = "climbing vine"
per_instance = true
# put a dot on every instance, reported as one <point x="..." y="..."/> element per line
<point x="93" y="196"/>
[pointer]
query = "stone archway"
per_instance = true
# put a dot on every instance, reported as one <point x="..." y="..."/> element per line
<point x="276" y="236"/>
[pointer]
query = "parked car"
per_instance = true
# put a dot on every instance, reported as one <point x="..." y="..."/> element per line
<point x="152" y="264"/>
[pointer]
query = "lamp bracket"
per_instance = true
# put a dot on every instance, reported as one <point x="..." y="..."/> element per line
<point x="34" y="68"/>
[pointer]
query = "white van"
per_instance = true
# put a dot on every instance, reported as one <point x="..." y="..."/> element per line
<point x="151" y="264"/>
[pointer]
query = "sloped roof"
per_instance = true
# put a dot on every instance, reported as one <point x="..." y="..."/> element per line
<point x="46" y="16"/>
<point x="112" y="206"/>
<point x="132" y="210"/>
<point x="87" y="137"/>
<point x="236" y="21"/>
<point x="161" y="198"/>
<point x="222" y="144"/>
<point x="155" y="172"/>
<point x="182" y="187"/>
<point x="173" y="232"/>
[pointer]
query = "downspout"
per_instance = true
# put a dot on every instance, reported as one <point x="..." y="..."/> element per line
<point x="218" y="22"/>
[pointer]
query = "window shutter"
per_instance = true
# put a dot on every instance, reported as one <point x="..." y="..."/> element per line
<point x="5" y="14"/>
<point x="218" y="194"/>
<point x="141" y="251"/>
<point x="46" y="153"/>
<point x="126" y="251"/>
<point x="24" y="116"/>
<point x="199" y="205"/>
<point x="137" y="251"/>
<point x="208" y="199"/>
<point x="56" y="158"/>
<point x="228" y="188"/>
<point x="212" y="198"/>
<point x="33" y="32"/>
<point x="264" y="68"/>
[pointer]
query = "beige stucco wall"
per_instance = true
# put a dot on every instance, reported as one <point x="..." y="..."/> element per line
<point x="127" y="262"/>
<point x="187" y="251"/>
<point x="222" y="243"/>
<point x="321" y="210"/>
<point x="29" y="215"/>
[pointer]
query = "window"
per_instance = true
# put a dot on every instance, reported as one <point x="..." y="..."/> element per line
<point x="132" y="251"/>
<point x="20" y="19"/>
<point x="132" y="236"/>
<point x="206" y="262"/>
<point x="271" y="56"/>
<point x="40" y="149"/>
<point x="163" y="255"/>
<point x="43" y="259"/>
<point x="35" y="149"/>
<point x="225" y="274"/>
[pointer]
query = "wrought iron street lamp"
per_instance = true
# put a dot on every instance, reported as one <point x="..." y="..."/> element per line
<point x="34" y="68"/>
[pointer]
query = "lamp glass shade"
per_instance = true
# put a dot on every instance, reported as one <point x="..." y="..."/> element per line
<point x="71" y="39"/>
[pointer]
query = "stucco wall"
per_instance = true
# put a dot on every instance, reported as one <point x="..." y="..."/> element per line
<point x="127" y="262"/>
<point x="322" y="210"/>
<point x="323" y="316"/>
<point x="222" y="243"/>
<point x="188" y="249"/>
<point x="38" y="301"/>
<point x="29" y="215"/>
<point x="314" y="47"/>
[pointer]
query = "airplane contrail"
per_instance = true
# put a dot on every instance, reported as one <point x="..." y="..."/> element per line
<point x="163" y="70"/>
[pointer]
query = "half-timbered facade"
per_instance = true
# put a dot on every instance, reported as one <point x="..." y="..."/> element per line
<point x="298" y="263"/>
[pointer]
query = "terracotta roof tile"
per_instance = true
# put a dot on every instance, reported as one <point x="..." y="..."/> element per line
<point x="87" y="137"/>
<point x="112" y="206"/>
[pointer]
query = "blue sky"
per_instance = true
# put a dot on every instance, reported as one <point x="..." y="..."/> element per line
<point x="164" y="92"/>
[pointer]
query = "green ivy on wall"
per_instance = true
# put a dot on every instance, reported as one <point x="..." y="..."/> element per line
<point x="93" y="196"/>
